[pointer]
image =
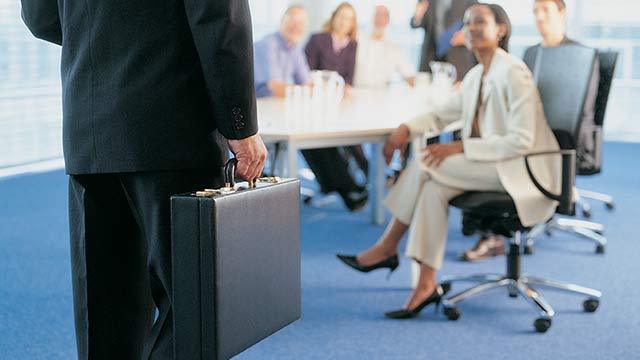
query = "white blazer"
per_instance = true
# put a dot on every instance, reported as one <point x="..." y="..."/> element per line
<point x="513" y="124"/>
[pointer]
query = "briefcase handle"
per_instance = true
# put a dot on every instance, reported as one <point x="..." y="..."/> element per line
<point x="230" y="181"/>
<point x="230" y="172"/>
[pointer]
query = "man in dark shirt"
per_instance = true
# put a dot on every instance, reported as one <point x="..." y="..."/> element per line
<point x="443" y="38"/>
<point x="155" y="93"/>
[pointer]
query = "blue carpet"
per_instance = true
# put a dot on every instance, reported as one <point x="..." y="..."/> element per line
<point x="341" y="309"/>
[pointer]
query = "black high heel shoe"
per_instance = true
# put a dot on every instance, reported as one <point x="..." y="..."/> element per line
<point x="435" y="297"/>
<point x="391" y="262"/>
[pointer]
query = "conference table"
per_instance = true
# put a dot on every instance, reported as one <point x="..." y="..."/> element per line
<point x="363" y="116"/>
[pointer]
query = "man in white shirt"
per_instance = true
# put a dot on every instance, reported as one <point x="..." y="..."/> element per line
<point x="378" y="58"/>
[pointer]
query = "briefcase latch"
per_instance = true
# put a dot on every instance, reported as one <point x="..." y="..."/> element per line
<point x="230" y="184"/>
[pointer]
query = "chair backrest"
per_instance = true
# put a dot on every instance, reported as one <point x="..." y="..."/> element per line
<point x="562" y="74"/>
<point x="608" y="60"/>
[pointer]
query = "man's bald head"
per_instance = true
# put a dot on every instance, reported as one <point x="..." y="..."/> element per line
<point x="381" y="17"/>
<point x="294" y="24"/>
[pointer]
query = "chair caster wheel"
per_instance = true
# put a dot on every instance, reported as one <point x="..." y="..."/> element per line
<point x="513" y="295"/>
<point x="609" y="206"/>
<point x="600" y="249"/>
<point x="452" y="313"/>
<point x="528" y="249"/>
<point x="306" y="200"/>
<point x="590" y="305"/>
<point x="586" y="213"/>
<point x="542" y="325"/>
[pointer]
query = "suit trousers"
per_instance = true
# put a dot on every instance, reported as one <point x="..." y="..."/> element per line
<point x="120" y="227"/>
<point x="331" y="169"/>
<point x="420" y="198"/>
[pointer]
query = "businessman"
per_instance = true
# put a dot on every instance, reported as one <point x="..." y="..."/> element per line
<point x="154" y="95"/>
<point x="443" y="37"/>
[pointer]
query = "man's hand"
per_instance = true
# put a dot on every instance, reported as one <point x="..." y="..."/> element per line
<point x="458" y="39"/>
<point x="397" y="140"/>
<point x="251" y="154"/>
<point x="433" y="155"/>
<point x="277" y="88"/>
<point x="421" y="9"/>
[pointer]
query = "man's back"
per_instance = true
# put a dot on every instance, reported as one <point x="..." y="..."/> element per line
<point x="143" y="86"/>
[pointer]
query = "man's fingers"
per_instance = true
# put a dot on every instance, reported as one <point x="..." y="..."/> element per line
<point x="252" y="170"/>
<point x="242" y="169"/>
<point x="251" y="154"/>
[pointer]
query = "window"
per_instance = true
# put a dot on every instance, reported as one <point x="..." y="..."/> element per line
<point x="30" y="95"/>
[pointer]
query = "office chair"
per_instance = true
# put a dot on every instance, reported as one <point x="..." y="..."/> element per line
<point x="494" y="212"/>
<point x="587" y="229"/>
<point x="608" y="60"/>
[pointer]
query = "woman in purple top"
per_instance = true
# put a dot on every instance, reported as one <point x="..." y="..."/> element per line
<point x="335" y="49"/>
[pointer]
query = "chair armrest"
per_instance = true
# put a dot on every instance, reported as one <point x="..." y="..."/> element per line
<point x="565" y="198"/>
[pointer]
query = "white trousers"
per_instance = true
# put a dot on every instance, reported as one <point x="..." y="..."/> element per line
<point x="421" y="197"/>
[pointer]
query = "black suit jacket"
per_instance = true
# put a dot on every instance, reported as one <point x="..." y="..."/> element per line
<point x="459" y="56"/>
<point x="150" y="85"/>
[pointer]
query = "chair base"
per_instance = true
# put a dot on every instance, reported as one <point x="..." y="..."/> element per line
<point x="517" y="285"/>
<point x="585" y="229"/>
<point x="604" y="198"/>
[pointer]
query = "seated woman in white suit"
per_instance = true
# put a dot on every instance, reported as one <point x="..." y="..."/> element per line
<point x="503" y="119"/>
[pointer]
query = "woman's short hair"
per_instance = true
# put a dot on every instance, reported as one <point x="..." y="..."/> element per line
<point x="328" y="26"/>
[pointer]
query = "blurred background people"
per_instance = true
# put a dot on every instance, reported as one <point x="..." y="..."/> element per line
<point x="335" y="49"/>
<point x="550" y="17"/>
<point x="379" y="58"/>
<point x="279" y="60"/>
<point x="443" y="38"/>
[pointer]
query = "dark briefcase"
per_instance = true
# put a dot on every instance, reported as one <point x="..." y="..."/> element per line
<point x="236" y="266"/>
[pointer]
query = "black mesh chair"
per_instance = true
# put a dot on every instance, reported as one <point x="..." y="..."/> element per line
<point x="608" y="61"/>
<point x="563" y="87"/>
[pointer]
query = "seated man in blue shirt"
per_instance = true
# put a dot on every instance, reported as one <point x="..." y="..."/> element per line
<point x="278" y="60"/>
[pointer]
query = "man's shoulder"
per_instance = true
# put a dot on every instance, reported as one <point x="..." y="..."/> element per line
<point x="569" y="41"/>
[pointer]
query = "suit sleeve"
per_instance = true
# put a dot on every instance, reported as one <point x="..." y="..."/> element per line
<point x="424" y="23"/>
<point x="523" y="99"/>
<point x="42" y="19"/>
<point x="221" y="30"/>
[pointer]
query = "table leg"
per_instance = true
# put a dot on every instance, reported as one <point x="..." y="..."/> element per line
<point x="377" y="177"/>
<point x="292" y="161"/>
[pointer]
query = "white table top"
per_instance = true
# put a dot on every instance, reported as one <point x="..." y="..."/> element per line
<point x="365" y="112"/>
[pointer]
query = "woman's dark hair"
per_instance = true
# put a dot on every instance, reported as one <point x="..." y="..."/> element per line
<point x="501" y="19"/>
